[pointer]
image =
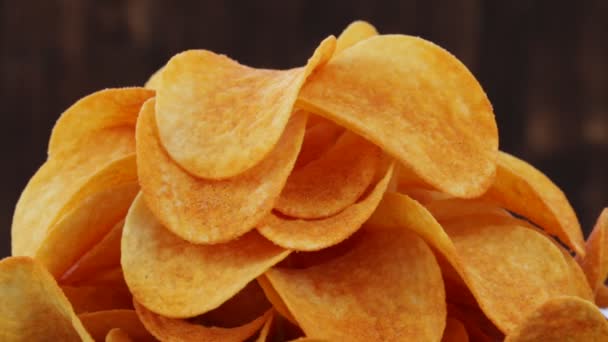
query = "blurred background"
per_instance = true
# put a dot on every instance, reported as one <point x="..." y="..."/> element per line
<point x="544" y="65"/>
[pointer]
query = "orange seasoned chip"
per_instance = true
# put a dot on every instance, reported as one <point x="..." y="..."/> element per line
<point x="562" y="319"/>
<point x="212" y="211"/>
<point x="595" y="261"/>
<point x="454" y="331"/>
<point x="99" y="324"/>
<point x="117" y="335"/>
<point x="522" y="189"/>
<point x="388" y="287"/>
<point x="97" y="298"/>
<point x="334" y="181"/>
<point x="171" y="329"/>
<point x="355" y="32"/>
<point x="418" y="103"/>
<point x="317" y="140"/>
<point x="161" y="269"/>
<point x="312" y="235"/>
<point x="33" y="306"/>
<point x="213" y="132"/>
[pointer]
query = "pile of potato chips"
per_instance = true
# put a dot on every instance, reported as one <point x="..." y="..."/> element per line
<point x="360" y="197"/>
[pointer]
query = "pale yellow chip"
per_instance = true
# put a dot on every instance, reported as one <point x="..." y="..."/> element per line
<point x="595" y="261"/>
<point x="522" y="189"/>
<point x="33" y="306"/>
<point x="212" y="211"/>
<point x="97" y="298"/>
<point x="117" y="335"/>
<point x="454" y="331"/>
<point x="171" y="329"/>
<point x="418" y="103"/>
<point x="355" y="32"/>
<point x="154" y="81"/>
<point x="313" y="235"/>
<point x="388" y="287"/>
<point x="562" y="319"/>
<point x="236" y="115"/>
<point x="331" y="183"/>
<point x="161" y="269"/>
<point x="99" y="324"/>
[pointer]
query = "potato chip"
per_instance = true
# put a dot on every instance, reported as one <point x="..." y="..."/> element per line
<point x="454" y="331"/>
<point x="317" y="140"/>
<point x="212" y="211"/>
<point x="154" y="81"/>
<point x="117" y="335"/>
<point x="170" y="329"/>
<point x="113" y="278"/>
<point x="522" y="189"/>
<point x="160" y="268"/>
<point x="601" y="296"/>
<point x="97" y="298"/>
<point x="263" y="335"/>
<point x="32" y="305"/>
<point x="94" y="114"/>
<point x="104" y="255"/>
<point x="355" y="32"/>
<point x="562" y="319"/>
<point x="313" y="235"/>
<point x="457" y="208"/>
<point x="477" y="325"/>
<point x="422" y="195"/>
<point x="595" y="261"/>
<point x="336" y="180"/>
<point x="387" y="288"/>
<point x="277" y="302"/>
<point x="418" y="103"/>
<point x="212" y="132"/>
<point x="99" y="323"/>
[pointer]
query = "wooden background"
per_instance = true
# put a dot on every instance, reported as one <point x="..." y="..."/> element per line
<point x="544" y="65"/>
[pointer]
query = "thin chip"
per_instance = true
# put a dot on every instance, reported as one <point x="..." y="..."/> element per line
<point x="454" y="331"/>
<point x="117" y="335"/>
<point x="211" y="132"/>
<point x="407" y="302"/>
<point x="160" y="268"/>
<point x="97" y="298"/>
<point x="562" y="319"/>
<point x="273" y="297"/>
<point x="355" y="32"/>
<point x="170" y="329"/>
<point x="154" y="81"/>
<point x="522" y="189"/>
<point x="418" y="103"/>
<point x="317" y="140"/>
<point x="212" y="211"/>
<point x="32" y="305"/>
<point x="595" y="261"/>
<point x="334" y="181"/>
<point x="313" y="235"/>
<point x="99" y="323"/>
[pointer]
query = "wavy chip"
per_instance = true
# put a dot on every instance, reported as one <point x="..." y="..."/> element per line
<point x="212" y="211"/>
<point x="212" y="132"/>
<point x="160" y="268"/>
<point x="99" y="324"/>
<point x="406" y="303"/>
<point x="595" y="261"/>
<point x="418" y="103"/>
<point x="313" y="235"/>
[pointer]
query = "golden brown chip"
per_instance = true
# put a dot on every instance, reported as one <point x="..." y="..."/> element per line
<point x="601" y="296"/>
<point x="562" y="319"/>
<point x="522" y="189"/>
<point x="454" y="331"/>
<point x="355" y="32"/>
<point x="99" y="323"/>
<point x="388" y="287"/>
<point x="458" y="208"/>
<point x="276" y="300"/>
<point x="313" y="235"/>
<point x="418" y="103"/>
<point x="97" y="298"/>
<point x="334" y="181"/>
<point x="117" y="335"/>
<point x="170" y="329"/>
<point x="161" y="269"/>
<point x="212" y="211"/>
<point x="236" y="115"/>
<point x="319" y="137"/>
<point x="478" y="326"/>
<point x="595" y="261"/>
<point x="32" y="305"/>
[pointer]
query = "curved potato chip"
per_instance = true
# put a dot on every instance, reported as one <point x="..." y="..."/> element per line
<point x="418" y="103"/>
<point x="562" y="319"/>
<point x="99" y="323"/>
<point x="170" y="329"/>
<point x="263" y="335"/>
<point x="355" y="32"/>
<point x="97" y="298"/>
<point x="154" y="81"/>
<point x="317" y="140"/>
<point x="211" y="132"/>
<point x="406" y="303"/>
<point x="273" y="297"/>
<point x="101" y="110"/>
<point x="212" y="211"/>
<point x="601" y="296"/>
<point x="313" y="235"/>
<point x="117" y="335"/>
<point x="457" y="208"/>
<point x="522" y="189"/>
<point x="478" y="326"/>
<point x="160" y="268"/>
<point x="595" y="261"/>
<point x="334" y="181"/>
<point x="454" y="331"/>
<point x="33" y="306"/>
